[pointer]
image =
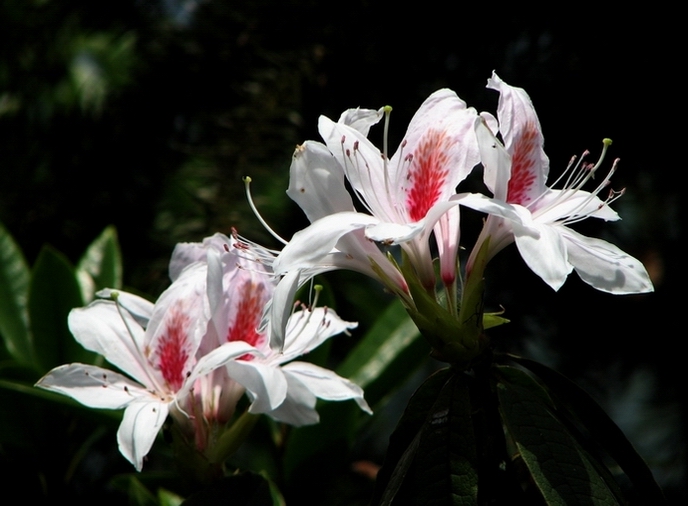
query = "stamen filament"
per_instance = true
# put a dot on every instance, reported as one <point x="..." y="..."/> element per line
<point x="247" y="184"/>
<point x="114" y="295"/>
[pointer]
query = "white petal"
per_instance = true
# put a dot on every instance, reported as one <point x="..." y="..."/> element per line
<point x="281" y="307"/>
<point x="140" y="308"/>
<point x="306" y="330"/>
<point x="495" y="159"/>
<point x="140" y="425"/>
<point x="179" y="322"/>
<point x="93" y="386"/>
<point x="101" y="328"/>
<point x="394" y="233"/>
<point x="219" y="357"/>
<point x="265" y="384"/>
<point x="441" y="132"/>
<point x="325" y="384"/>
<point x="316" y="182"/>
<point x="606" y="267"/>
<point x="308" y="246"/>
<point x="521" y="131"/>
<point x="361" y="119"/>
<point x="545" y="255"/>
<point x="559" y="204"/>
<point x="299" y="406"/>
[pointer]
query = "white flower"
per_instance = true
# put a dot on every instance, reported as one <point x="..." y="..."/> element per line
<point x="196" y="351"/>
<point x="516" y="173"/>
<point x="160" y="359"/>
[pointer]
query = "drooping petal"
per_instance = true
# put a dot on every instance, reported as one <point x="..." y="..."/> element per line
<point x="116" y="335"/>
<point x="604" y="266"/>
<point x="93" y="386"/>
<point x="298" y="408"/>
<point x="545" y="255"/>
<point x="265" y="383"/>
<point x="325" y="384"/>
<point x="140" y="425"/>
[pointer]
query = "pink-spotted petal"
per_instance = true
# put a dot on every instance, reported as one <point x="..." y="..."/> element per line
<point x="523" y="140"/>
<point x="438" y="151"/>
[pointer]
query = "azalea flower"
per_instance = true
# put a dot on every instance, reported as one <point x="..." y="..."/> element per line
<point x="401" y="194"/>
<point x="155" y="345"/>
<point x="197" y="350"/>
<point x="516" y="173"/>
<point x="240" y="285"/>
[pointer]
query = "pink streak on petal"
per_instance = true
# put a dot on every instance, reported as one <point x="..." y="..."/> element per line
<point x="249" y="311"/>
<point x="523" y="165"/>
<point x="428" y="173"/>
<point x="172" y="351"/>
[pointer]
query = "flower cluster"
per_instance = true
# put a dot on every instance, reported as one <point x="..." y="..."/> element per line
<point x="227" y="326"/>
<point x="412" y="201"/>
<point x="198" y="349"/>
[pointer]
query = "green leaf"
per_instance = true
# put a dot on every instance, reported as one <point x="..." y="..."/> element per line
<point x="54" y="291"/>
<point x="388" y="354"/>
<point x="334" y="436"/>
<point x="167" y="498"/>
<point x="601" y="428"/>
<point x="558" y="465"/>
<point x="437" y="464"/>
<point x="403" y="443"/>
<point x="136" y="492"/>
<point x="14" y="289"/>
<point x="101" y="265"/>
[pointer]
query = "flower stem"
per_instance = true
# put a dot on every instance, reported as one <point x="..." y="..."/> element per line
<point x="232" y="438"/>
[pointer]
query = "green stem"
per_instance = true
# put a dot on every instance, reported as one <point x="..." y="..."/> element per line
<point x="232" y="438"/>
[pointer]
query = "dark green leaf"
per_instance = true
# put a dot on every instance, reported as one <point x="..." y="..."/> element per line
<point x="432" y="456"/>
<point x="403" y="443"/>
<point x="558" y="465"/>
<point x="388" y="354"/>
<point x="53" y="293"/>
<point x="101" y="265"/>
<point x="601" y="428"/>
<point x="14" y="289"/>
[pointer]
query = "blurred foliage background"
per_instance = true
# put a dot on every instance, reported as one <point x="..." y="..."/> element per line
<point x="145" y="114"/>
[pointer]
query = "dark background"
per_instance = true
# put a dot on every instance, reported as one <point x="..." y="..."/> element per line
<point x="145" y="114"/>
